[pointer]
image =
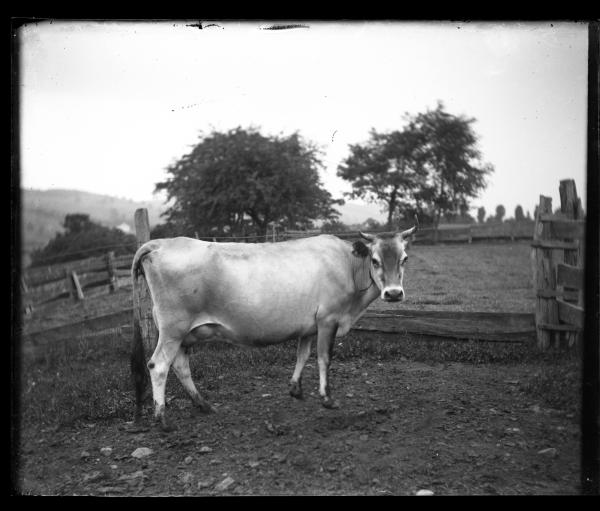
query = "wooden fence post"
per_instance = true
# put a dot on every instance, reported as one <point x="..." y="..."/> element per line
<point x="77" y="291"/>
<point x="142" y="301"/>
<point x="110" y="266"/>
<point x="546" y="309"/>
<point x="570" y="206"/>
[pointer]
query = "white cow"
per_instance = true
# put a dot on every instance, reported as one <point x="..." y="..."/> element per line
<point x="256" y="295"/>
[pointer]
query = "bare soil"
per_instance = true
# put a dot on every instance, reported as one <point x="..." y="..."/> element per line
<point x="403" y="426"/>
<point x="408" y="421"/>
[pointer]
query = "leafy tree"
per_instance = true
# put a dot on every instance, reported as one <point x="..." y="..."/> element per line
<point x="500" y="212"/>
<point x="236" y="183"/>
<point x="519" y="216"/>
<point x="83" y="238"/>
<point x="481" y="215"/>
<point x="169" y="230"/>
<point x="431" y="165"/>
<point x="386" y="169"/>
<point x="448" y="150"/>
<point x="370" y="224"/>
<point x="334" y="226"/>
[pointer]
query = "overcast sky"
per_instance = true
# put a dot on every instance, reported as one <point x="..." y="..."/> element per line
<point x="107" y="106"/>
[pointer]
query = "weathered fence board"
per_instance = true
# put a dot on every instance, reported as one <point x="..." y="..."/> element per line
<point x="37" y="276"/>
<point x="570" y="276"/>
<point x="88" y="280"/>
<point x="123" y="261"/>
<point x="482" y="326"/>
<point x="570" y="313"/>
<point x="47" y="292"/>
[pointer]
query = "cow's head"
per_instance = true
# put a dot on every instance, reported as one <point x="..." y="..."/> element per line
<point x="388" y="260"/>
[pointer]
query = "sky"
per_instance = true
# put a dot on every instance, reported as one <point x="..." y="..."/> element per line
<point x="107" y="106"/>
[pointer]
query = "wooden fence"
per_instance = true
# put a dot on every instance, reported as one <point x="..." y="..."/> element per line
<point x="108" y="273"/>
<point x="510" y="230"/>
<point x="76" y="279"/>
<point x="557" y="258"/>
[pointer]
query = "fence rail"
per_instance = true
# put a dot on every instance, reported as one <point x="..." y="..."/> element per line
<point x="75" y="279"/>
<point x="445" y="234"/>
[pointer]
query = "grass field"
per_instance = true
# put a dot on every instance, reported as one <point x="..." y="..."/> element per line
<point x="75" y="391"/>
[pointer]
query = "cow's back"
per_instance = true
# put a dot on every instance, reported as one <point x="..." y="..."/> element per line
<point x="265" y="292"/>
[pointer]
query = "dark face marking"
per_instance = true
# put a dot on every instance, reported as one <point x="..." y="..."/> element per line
<point x="359" y="249"/>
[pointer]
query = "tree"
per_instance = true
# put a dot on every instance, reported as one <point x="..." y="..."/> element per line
<point x="481" y="215"/>
<point x="370" y="224"/>
<point x="432" y="166"/>
<point x="334" y="226"/>
<point x="500" y="212"/>
<point x="236" y="183"/>
<point x="83" y="238"/>
<point x="519" y="216"/>
<point x="448" y="150"/>
<point x="385" y="169"/>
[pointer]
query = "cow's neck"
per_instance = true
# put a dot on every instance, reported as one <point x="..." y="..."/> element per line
<point x="366" y="290"/>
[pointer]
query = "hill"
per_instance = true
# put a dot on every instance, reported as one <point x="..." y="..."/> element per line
<point x="43" y="212"/>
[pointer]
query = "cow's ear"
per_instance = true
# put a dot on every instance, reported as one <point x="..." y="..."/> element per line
<point x="359" y="249"/>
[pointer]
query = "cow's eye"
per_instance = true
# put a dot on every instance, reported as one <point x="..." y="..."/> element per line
<point x="404" y="261"/>
<point x="375" y="263"/>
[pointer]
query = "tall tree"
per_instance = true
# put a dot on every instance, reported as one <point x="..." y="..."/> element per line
<point x="481" y="215"/>
<point x="236" y="183"/>
<point x="519" y="213"/>
<point x="500" y="212"/>
<point x="385" y="169"/>
<point x="448" y="150"/>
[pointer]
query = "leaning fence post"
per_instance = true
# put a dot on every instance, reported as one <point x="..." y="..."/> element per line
<point x="78" y="292"/>
<point x="546" y="309"/>
<point x="142" y="302"/>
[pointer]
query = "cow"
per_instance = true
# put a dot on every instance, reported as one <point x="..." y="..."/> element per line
<point x="256" y="295"/>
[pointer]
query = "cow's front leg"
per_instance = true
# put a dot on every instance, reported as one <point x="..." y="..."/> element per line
<point x="325" y="341"/>
<point x="302" y="352"/>
<point x="159" y="364"/>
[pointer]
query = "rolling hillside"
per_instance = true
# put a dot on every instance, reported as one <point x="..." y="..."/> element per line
<point x="43" y="212"/>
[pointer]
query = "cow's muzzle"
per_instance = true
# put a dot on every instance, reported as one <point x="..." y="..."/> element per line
<point x="393" y="295"/>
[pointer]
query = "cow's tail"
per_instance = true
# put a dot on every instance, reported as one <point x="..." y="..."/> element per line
<point x="137" y="359"/>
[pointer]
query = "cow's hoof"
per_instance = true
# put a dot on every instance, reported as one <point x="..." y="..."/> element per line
<point x="166" y="427"/>
<point x="296" y="391"/>
<point x="204" y="408"/>
<point x="329" y="403"/>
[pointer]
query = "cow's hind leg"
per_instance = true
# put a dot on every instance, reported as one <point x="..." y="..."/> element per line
<point x="162" y="359"/>
<point x="181" y="366"/>
<point x="302" y="352"/>
<point x="325" y="341"/>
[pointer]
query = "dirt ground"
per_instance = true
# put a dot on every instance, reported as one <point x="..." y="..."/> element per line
<point x="403" y="426"/>
<point x="406" y="423"/>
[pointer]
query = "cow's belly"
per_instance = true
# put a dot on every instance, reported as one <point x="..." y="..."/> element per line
<point x="251" y="328"/>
